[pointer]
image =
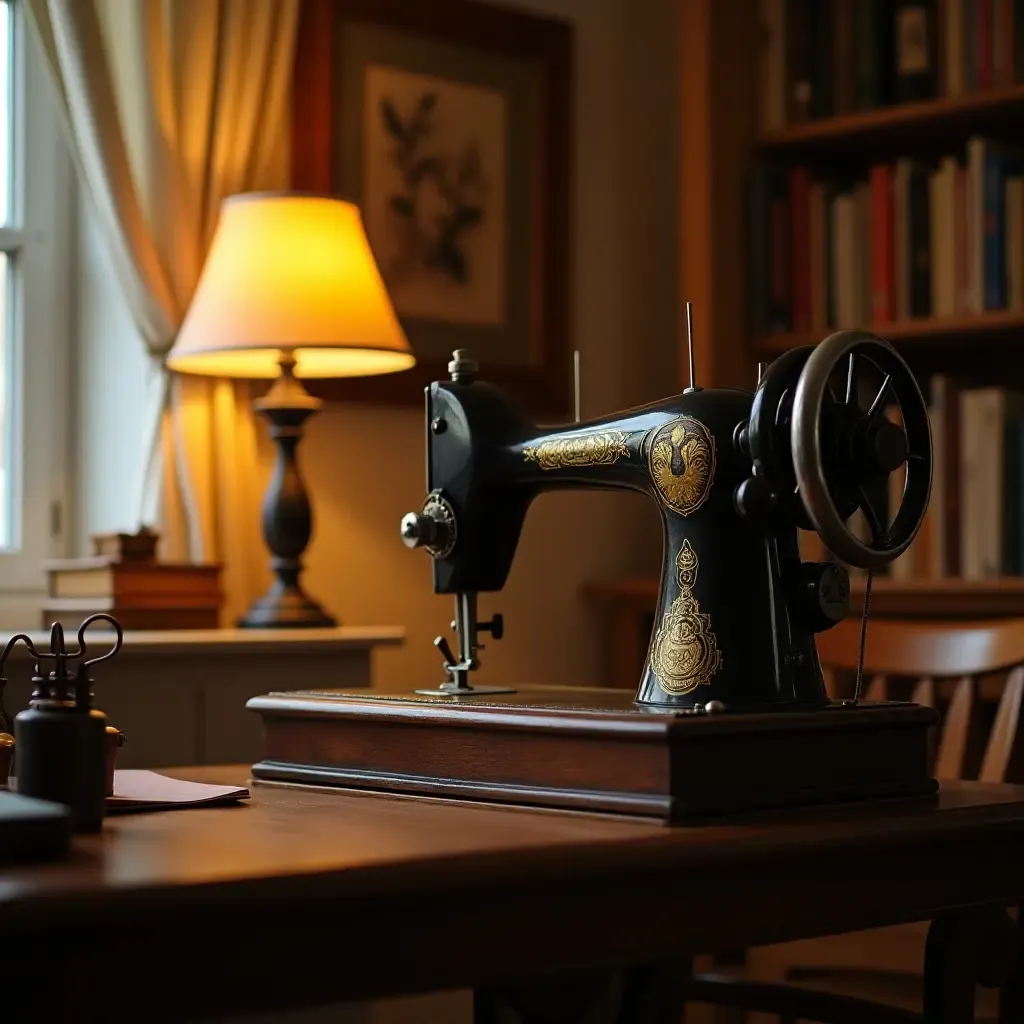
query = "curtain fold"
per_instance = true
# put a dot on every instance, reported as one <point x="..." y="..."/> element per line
<point x="171" y="106"/>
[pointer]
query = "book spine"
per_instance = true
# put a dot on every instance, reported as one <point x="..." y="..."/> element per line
<point x="935" y="234"/>
<point x="865" y="256"/>
<point x="971" y="566"/>
<point x="994" y="221"/>
<point x="1009" y="46"/>
<point x="799" y="81"/>
<point x="952" y="29"/>
<point x="998" y="48"/>
<point x="1014" y="254"/>
<point x="773" y="66"/>
<point x="822" y="46"/>
<point x="830" y="258"/>
<point x="983" y="44"/>
<point x="919" y="243"/>
<point x="961" y="238"/>
<point x="781" y="260"/>
<point x="901" y="240"/>
<point x="969" y="32"/>
<point x="800" y="230"/>
<point x="1013" y="481"/>
<point x="915" y="69"/>
<point x="843" y="67"/>
<point x="757" y="220"/>
<point x="818" y="261"/>
<point x="882" y="244"/>
<point x="976" y="149"/>
<point x="866" y="53"/>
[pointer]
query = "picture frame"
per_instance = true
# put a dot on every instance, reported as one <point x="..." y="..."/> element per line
<point x="449" y="123"/>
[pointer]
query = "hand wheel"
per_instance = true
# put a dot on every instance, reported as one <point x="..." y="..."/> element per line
<point x="838" y="447"/>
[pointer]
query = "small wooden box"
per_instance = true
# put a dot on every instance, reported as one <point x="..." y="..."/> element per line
<point x="595" y="750"/>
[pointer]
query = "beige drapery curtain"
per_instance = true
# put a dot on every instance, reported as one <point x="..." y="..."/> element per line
<point x="172" y="105"/>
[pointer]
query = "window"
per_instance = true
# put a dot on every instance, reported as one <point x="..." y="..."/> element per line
<point x="36" y="214"/>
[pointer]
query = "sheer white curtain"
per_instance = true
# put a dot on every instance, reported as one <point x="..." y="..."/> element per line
<point x="172" y="105"/>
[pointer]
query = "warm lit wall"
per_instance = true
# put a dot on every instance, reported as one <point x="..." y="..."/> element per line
<point x="365" y="465"/>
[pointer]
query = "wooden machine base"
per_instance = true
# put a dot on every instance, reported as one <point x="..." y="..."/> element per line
<point x="594" y="750"/>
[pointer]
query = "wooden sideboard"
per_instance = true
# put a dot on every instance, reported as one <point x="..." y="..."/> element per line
<point x="627" y="608"/>
<point x="179" y="695"/>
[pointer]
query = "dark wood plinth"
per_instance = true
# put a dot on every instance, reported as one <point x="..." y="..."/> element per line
<point x="594" y="750"/>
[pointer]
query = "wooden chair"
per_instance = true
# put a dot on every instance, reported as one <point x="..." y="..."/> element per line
<point x="942" y="665"/>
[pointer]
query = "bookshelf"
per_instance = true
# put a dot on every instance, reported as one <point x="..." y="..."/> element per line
<point x="997" y="327"/>
<point x="925" y="121"/>
<point x="725" y="54"/>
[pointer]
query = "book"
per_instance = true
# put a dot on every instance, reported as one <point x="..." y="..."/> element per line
<point x="915" y="51"/>
<point x="104" y="576"/>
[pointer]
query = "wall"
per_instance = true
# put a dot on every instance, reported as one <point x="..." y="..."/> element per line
<point x="365" y="465"/>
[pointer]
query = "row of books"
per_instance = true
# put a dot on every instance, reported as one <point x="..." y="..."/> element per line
<point x="974" y="526"/>
<point x="822" y="58"/>
<point x="912" y="239"/>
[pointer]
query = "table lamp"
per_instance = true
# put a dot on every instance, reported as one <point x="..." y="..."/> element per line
<point x="290" y="289"/>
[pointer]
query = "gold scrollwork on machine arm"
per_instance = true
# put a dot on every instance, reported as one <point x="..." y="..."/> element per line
<point x="602" y="448"/>
<point x="684" y="652"/>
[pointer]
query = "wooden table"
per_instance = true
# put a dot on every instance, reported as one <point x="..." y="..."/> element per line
<point x="304" y="898"/>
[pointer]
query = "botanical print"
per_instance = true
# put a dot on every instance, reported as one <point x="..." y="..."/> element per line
<point x="435" y="154"/>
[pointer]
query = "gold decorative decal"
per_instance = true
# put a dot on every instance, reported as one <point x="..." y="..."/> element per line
<point x="684" y="653"/>
<point x="681" y="460"/>
<point x="602" y="448"/>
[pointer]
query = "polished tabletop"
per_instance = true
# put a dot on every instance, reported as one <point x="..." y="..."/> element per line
<point x="333" y="896"/>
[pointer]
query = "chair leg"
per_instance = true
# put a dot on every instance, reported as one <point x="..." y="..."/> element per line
<point x="966" y="948"/>
<point x="1011" y="998"/>
<point x="652" y="994"/>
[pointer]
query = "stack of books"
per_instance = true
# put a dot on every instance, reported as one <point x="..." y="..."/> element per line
<point x="139" y="594"/>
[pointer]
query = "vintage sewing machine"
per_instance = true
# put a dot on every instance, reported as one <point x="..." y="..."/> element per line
<point x="731" y="712"/>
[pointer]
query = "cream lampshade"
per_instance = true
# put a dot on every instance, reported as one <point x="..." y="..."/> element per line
<point x="290" y="289"/>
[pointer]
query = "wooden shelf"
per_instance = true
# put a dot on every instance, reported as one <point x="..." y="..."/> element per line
<point x="1000" y="327"/>
<point x="994" y="111"/>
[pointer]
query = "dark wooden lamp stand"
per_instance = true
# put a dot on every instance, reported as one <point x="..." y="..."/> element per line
<point x="287" y="516"/>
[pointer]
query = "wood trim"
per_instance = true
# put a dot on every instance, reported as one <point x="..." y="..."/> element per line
<point x="1004" y="327"/>
<point x="970" y="114"/>
<point x="719" y="45"/>
<point x="313" y="98"/>
<point x="543" y="386"/>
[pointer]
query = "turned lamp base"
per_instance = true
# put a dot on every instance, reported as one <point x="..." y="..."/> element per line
<point x="286" y="608"/>
<point x="287" y="516"/>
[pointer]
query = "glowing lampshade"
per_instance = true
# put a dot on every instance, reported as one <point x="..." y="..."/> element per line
<point x="290" y="273"/>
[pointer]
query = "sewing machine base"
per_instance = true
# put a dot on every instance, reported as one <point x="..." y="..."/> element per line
<point x="594" y="750"/>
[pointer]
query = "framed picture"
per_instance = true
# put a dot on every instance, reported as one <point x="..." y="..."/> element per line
<point x="448" y="122"/>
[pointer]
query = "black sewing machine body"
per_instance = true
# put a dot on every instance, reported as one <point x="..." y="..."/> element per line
<point x="730" y="713"/>
<point x="733" y="622"/>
